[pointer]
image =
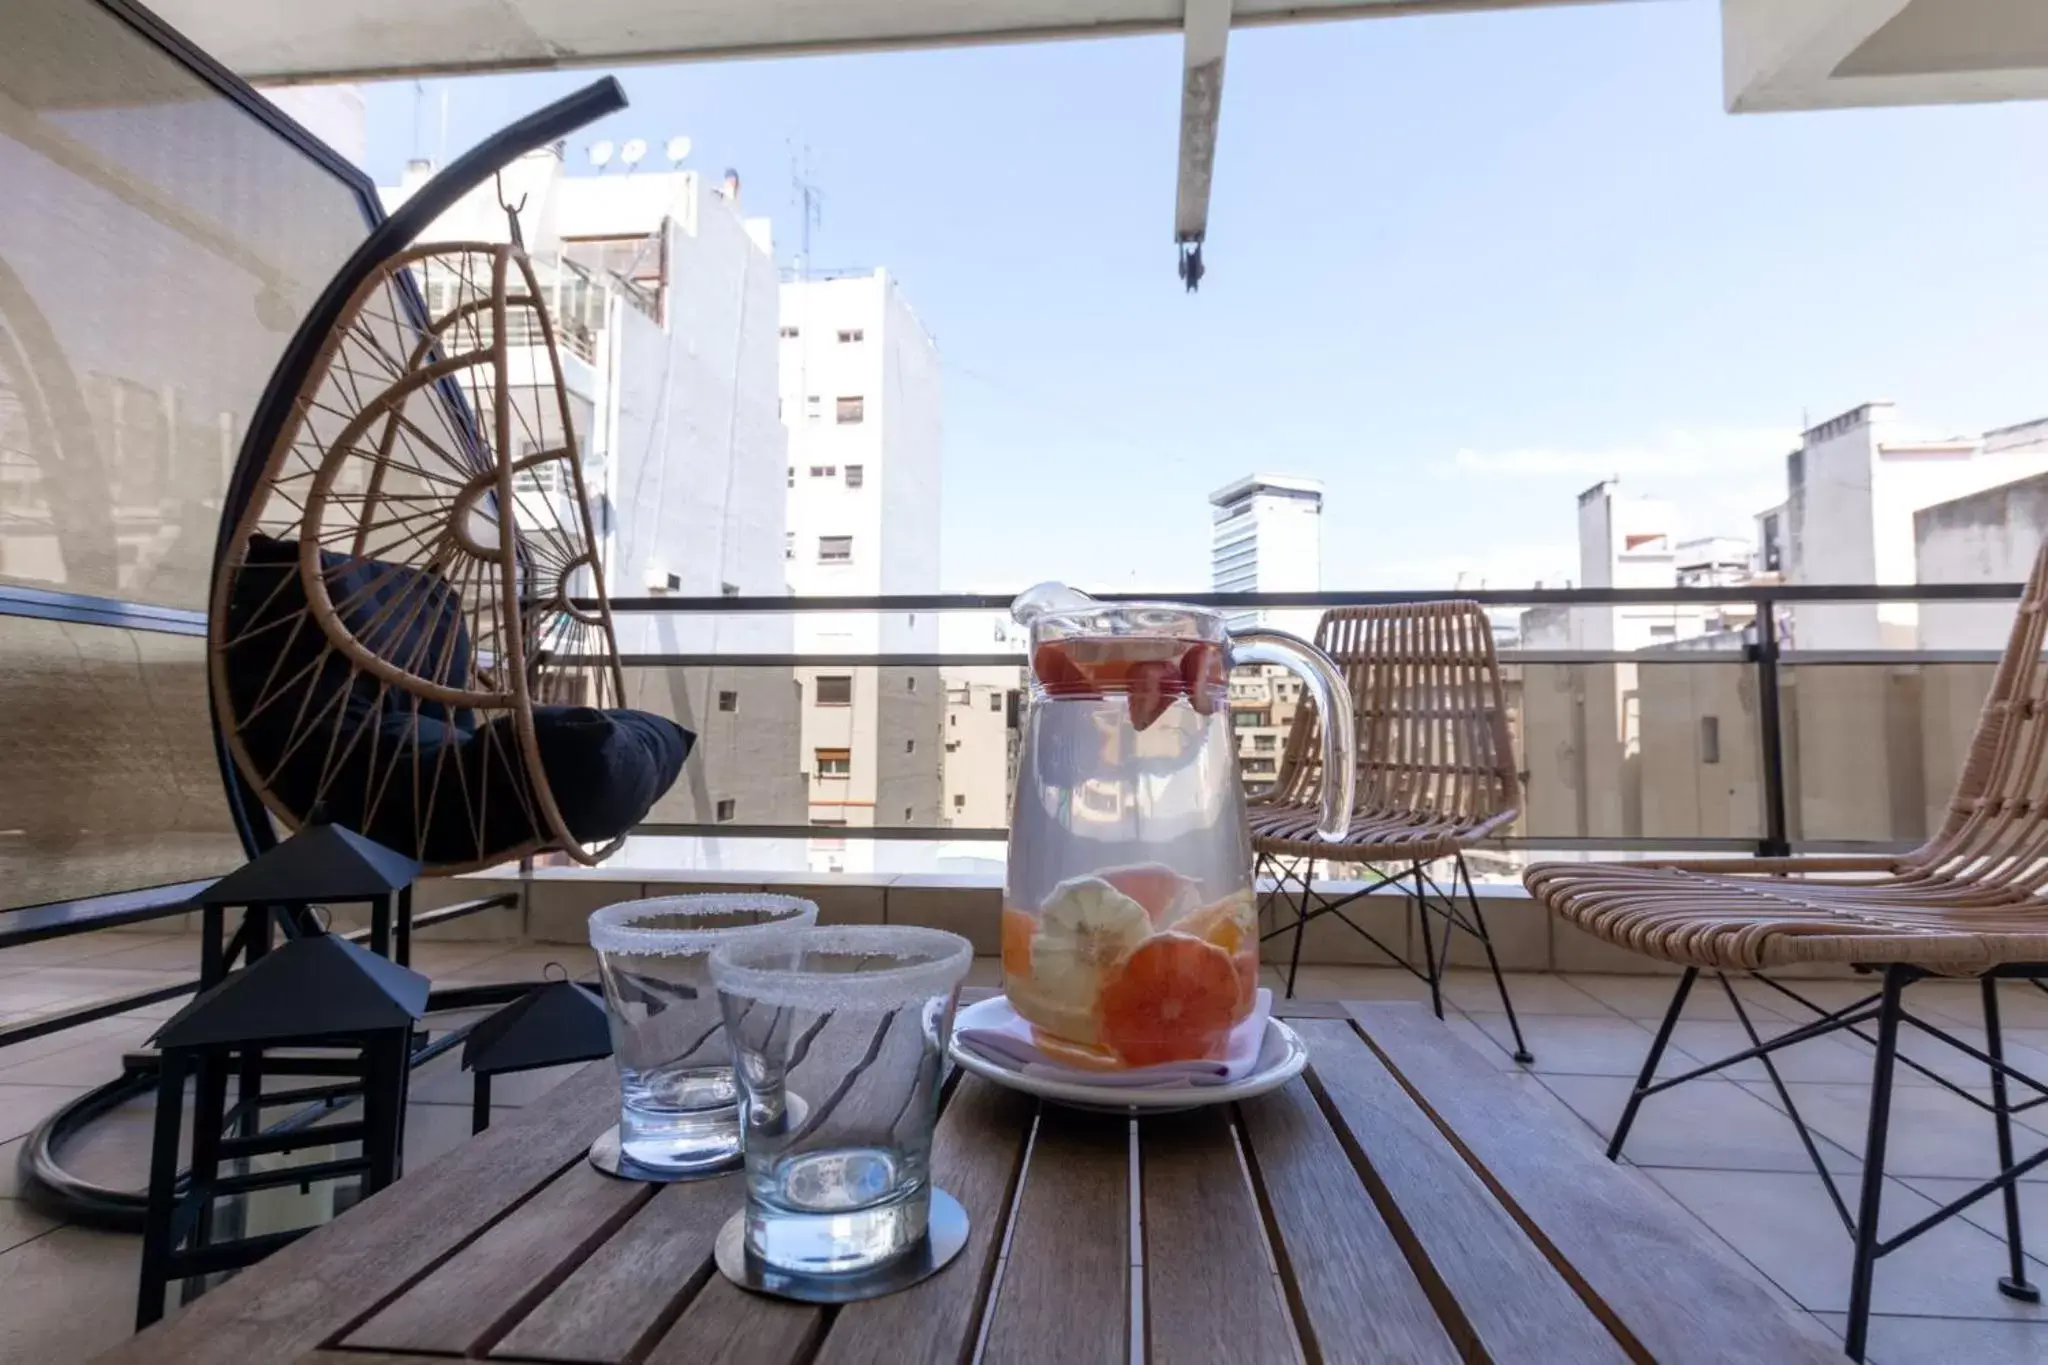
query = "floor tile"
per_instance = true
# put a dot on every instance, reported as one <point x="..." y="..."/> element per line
<point x="22" y="1107"/>
<point x="1784" y="1224"/>
<point x="171" y="953"/>
<point x="1932" y="1132"/>
<point x="66" y="1039"/>
<point x="1580" y="1045"/>
<point x="1935" y="1341"/>
<point x="19" y="1223"/>
<point x="67" y="1296"/>
<point x="1531" y="992"/>
<point x="10" y="1183"/>
<point x="1357" y="983"/>
<point x="1707" y="1124"/>
<point x="1648" y="998"/>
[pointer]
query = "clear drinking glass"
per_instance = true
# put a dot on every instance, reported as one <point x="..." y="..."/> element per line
<point x="678" y="1105"/>
<point x="839" y="1037"/>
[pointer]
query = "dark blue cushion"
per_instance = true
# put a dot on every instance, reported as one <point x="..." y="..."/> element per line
<point x="417" y="776"/>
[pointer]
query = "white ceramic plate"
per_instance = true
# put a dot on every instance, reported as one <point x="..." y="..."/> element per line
<point x="1281" y="1058"/>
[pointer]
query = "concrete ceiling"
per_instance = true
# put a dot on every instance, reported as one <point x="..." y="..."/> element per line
<point x="298" y="40"/>
<point x="1833" y="54"/>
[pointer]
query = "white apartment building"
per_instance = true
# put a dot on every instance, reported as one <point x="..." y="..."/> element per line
<point x="1268" y="537"/>
<point x="1852" y="490"/>
<point x="860" y="401"/>
<point x="665" y="306"/>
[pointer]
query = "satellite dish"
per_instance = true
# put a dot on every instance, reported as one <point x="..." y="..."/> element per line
<point x="630" y="154"/>
<point x="601" y="153"/>
<point x="678" y="148"/>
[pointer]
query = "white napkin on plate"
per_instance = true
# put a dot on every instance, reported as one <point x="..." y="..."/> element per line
<point x="998" y="1033"/>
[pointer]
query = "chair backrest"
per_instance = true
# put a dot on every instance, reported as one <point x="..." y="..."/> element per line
<point x="404" y="587"/>
<point x="1996" y="830"/>
<point x="1431" y="715"/>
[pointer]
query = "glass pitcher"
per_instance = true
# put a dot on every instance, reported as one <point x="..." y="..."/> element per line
<point x="1130" y="921"/>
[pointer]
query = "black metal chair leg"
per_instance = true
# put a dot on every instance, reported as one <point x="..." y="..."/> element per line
<point x="2016" y="1285"/>
<point x="1307" y="877"/>
<point x="1864" y="1267"/>
<point x="1649" y="1072"/>
<point x="1500" y="983"/>
<point x="1429" y="962"/>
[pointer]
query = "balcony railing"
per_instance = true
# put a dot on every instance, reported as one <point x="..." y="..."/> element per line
<point x="1738" y="743"/>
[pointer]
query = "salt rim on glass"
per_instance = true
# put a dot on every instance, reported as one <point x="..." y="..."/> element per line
<point x="737" y="967"/>
<point x="616" y="928"/>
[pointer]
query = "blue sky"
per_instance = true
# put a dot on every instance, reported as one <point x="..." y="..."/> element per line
<point x="1460" y="268"/>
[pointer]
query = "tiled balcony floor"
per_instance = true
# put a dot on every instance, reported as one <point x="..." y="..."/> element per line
<point x="1720" y="1147"/>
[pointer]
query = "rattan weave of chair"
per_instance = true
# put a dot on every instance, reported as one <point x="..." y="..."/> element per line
<point x="1971" y="898"/>
<point x="1436" y="769"/>
<point x="433" y="455"/>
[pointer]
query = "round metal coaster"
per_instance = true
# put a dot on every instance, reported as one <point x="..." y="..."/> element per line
<point x="606" y="1156"/>
<point x="944" y="1236"/>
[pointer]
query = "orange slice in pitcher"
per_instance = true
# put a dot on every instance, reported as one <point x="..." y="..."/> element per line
<point x="1018" y="928"/>
<point x="1174" y="1001"/>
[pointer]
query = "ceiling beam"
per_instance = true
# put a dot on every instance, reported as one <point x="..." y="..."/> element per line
<point x="1205" y="35"/>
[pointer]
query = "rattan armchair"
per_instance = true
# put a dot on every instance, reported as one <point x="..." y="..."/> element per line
<point x="1970" y="902"/>
<point x="1436" y="771"/>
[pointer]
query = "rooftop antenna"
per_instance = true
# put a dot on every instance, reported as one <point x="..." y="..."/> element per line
<point x="419" y="96"/>
<point x="806" y="191"/>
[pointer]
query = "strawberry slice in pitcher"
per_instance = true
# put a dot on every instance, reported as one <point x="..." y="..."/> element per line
<point x="1203" y="672"/>
<point x="1058" y="674"/>
<point x="1153" y="684"/>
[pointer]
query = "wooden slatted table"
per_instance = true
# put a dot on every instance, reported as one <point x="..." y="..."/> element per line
<point x="1403" y="1201"/>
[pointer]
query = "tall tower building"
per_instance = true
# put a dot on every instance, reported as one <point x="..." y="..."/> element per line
<point x="860" y="398"/>
<point x="1268" y="537"/>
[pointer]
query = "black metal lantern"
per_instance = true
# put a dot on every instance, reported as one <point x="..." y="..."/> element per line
<point x="356" y="1011"/>
<point x="322" y="864"/>
<point x="553" y="1024"/>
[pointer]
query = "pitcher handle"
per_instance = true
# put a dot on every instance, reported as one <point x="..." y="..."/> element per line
<point x="1332" y="694"/>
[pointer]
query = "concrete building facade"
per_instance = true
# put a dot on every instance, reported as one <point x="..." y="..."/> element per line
<point x="665" y="304"/>
<point x="860" y="399"/>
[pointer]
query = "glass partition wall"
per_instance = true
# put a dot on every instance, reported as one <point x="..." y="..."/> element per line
<point x="163" y="230"/>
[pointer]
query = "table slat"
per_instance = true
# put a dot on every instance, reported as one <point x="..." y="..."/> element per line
<point x="1670" y="1287"/>
<point x="618" y="1302"/>
<point x="1335" y="1249"/>
<point x="726" y="1325"/>
<point x="485" y="1287"/>
<point x="1209" y="1290"/>
<point x="311" y="1290"/>
<point x="1501" y="1289"/>
<point x="1064" y="1296"/>
<point x="976" y="1157"/>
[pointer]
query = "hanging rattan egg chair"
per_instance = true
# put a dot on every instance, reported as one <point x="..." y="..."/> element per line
<point x="409" y="628"/>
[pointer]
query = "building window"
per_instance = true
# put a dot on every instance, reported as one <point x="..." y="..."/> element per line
<point x="726" y="810"/>
<point x="959" y="801"/>
<point x="789" y="545"/>
<point x="792" y="476"/>
<point x="834" y="763"/>
<point x="953" y="721"/>
<point x="856" y="475"/>
<point x="909" y="746"/>
<point x="851" y="410"/>
<point x="728" y="701"/>
<point x="952" y="746"/>
<point x="811" y="409"/>
<point x="728" y="590"/>
<point x="995" y="701"/>
<point x="910" y="682"/>
<point x="1265" y="743"/>
<point x="835" y="549"/>
<point x="835" y="690"/>
<point x="823" y="471"/>
<point x="849" y="335"/>
<point x="1710" y="739"/>
<point x="906" y="814"/>
<point x="789" y="334"/>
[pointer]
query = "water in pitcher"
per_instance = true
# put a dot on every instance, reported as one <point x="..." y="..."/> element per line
<point x="1130" y="925"/>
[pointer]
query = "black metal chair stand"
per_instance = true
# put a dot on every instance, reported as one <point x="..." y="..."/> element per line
<point x="1456" y="908"/>
<point x="1885" y="1008"/>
